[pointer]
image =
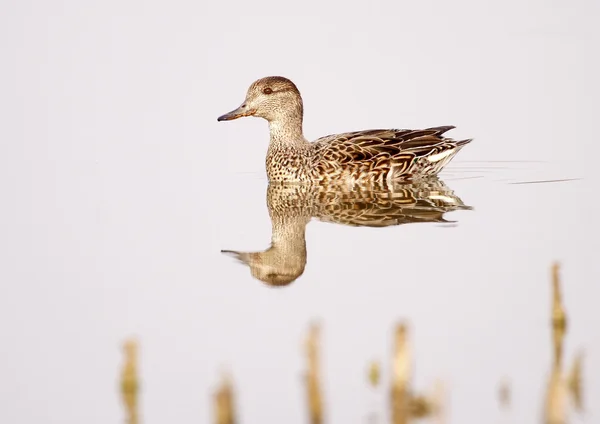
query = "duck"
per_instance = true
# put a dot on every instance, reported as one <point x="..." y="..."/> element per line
<point x="379" y="156"/>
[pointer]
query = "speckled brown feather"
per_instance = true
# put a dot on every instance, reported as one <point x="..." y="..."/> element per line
<point x="382" y="155"/>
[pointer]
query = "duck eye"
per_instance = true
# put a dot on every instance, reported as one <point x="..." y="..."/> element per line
<point x="267" y="90"/>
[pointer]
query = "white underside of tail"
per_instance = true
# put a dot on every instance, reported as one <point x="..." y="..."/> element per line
<point x="439" y="156"/>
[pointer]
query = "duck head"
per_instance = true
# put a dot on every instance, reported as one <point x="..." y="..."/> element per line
<point x="272" y="98"/>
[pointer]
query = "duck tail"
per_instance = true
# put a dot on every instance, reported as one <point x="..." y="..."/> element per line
<point x="439" y="131"/>
<point x="461" y="143"/>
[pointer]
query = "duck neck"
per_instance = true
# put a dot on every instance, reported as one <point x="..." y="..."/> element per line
<point x="288" y="234"/>
<point x="287" y="132"/>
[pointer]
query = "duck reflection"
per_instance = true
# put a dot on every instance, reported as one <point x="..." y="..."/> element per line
<point x="291" y="207"/>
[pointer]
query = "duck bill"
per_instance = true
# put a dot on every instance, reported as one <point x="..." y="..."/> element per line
<point x="240" y="112"/>
<point x="240" y="256"/>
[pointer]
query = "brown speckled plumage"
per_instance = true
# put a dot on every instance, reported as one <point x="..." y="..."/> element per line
<point x="370" y="156"/>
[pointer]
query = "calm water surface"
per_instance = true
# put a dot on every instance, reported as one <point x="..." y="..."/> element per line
<point x="120" y="190"/>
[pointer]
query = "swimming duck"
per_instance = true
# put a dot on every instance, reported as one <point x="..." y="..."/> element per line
<point x="369" y="156"/>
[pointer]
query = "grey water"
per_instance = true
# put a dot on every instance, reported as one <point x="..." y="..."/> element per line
<point x="120" y="189"/>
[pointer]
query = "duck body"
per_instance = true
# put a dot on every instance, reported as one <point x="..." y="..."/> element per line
<point x="369" y="156"/>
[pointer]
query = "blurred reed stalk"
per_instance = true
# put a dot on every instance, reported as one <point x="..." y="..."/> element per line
<point x="374" y="373"/>
<point x="559" y="315"/>
<point x="401" y="376"/>
<point x="223" y="402"/>
<point x="373" y="377"/>
<point x="129" y="381"/>
<point x="504" y="393"/>
<point x="559" y="386"/>
<point x="405" y="404"/>
<point x="312" y="376"/>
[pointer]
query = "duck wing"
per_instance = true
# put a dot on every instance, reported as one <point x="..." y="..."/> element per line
<point x="376" y="152"/>
<point x="372" y="144"/>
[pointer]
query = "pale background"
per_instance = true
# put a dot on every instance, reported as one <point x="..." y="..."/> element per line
<point x="119" y="188"/>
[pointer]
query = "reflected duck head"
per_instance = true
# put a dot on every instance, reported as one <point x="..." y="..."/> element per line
<point x="270" y="267"/>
